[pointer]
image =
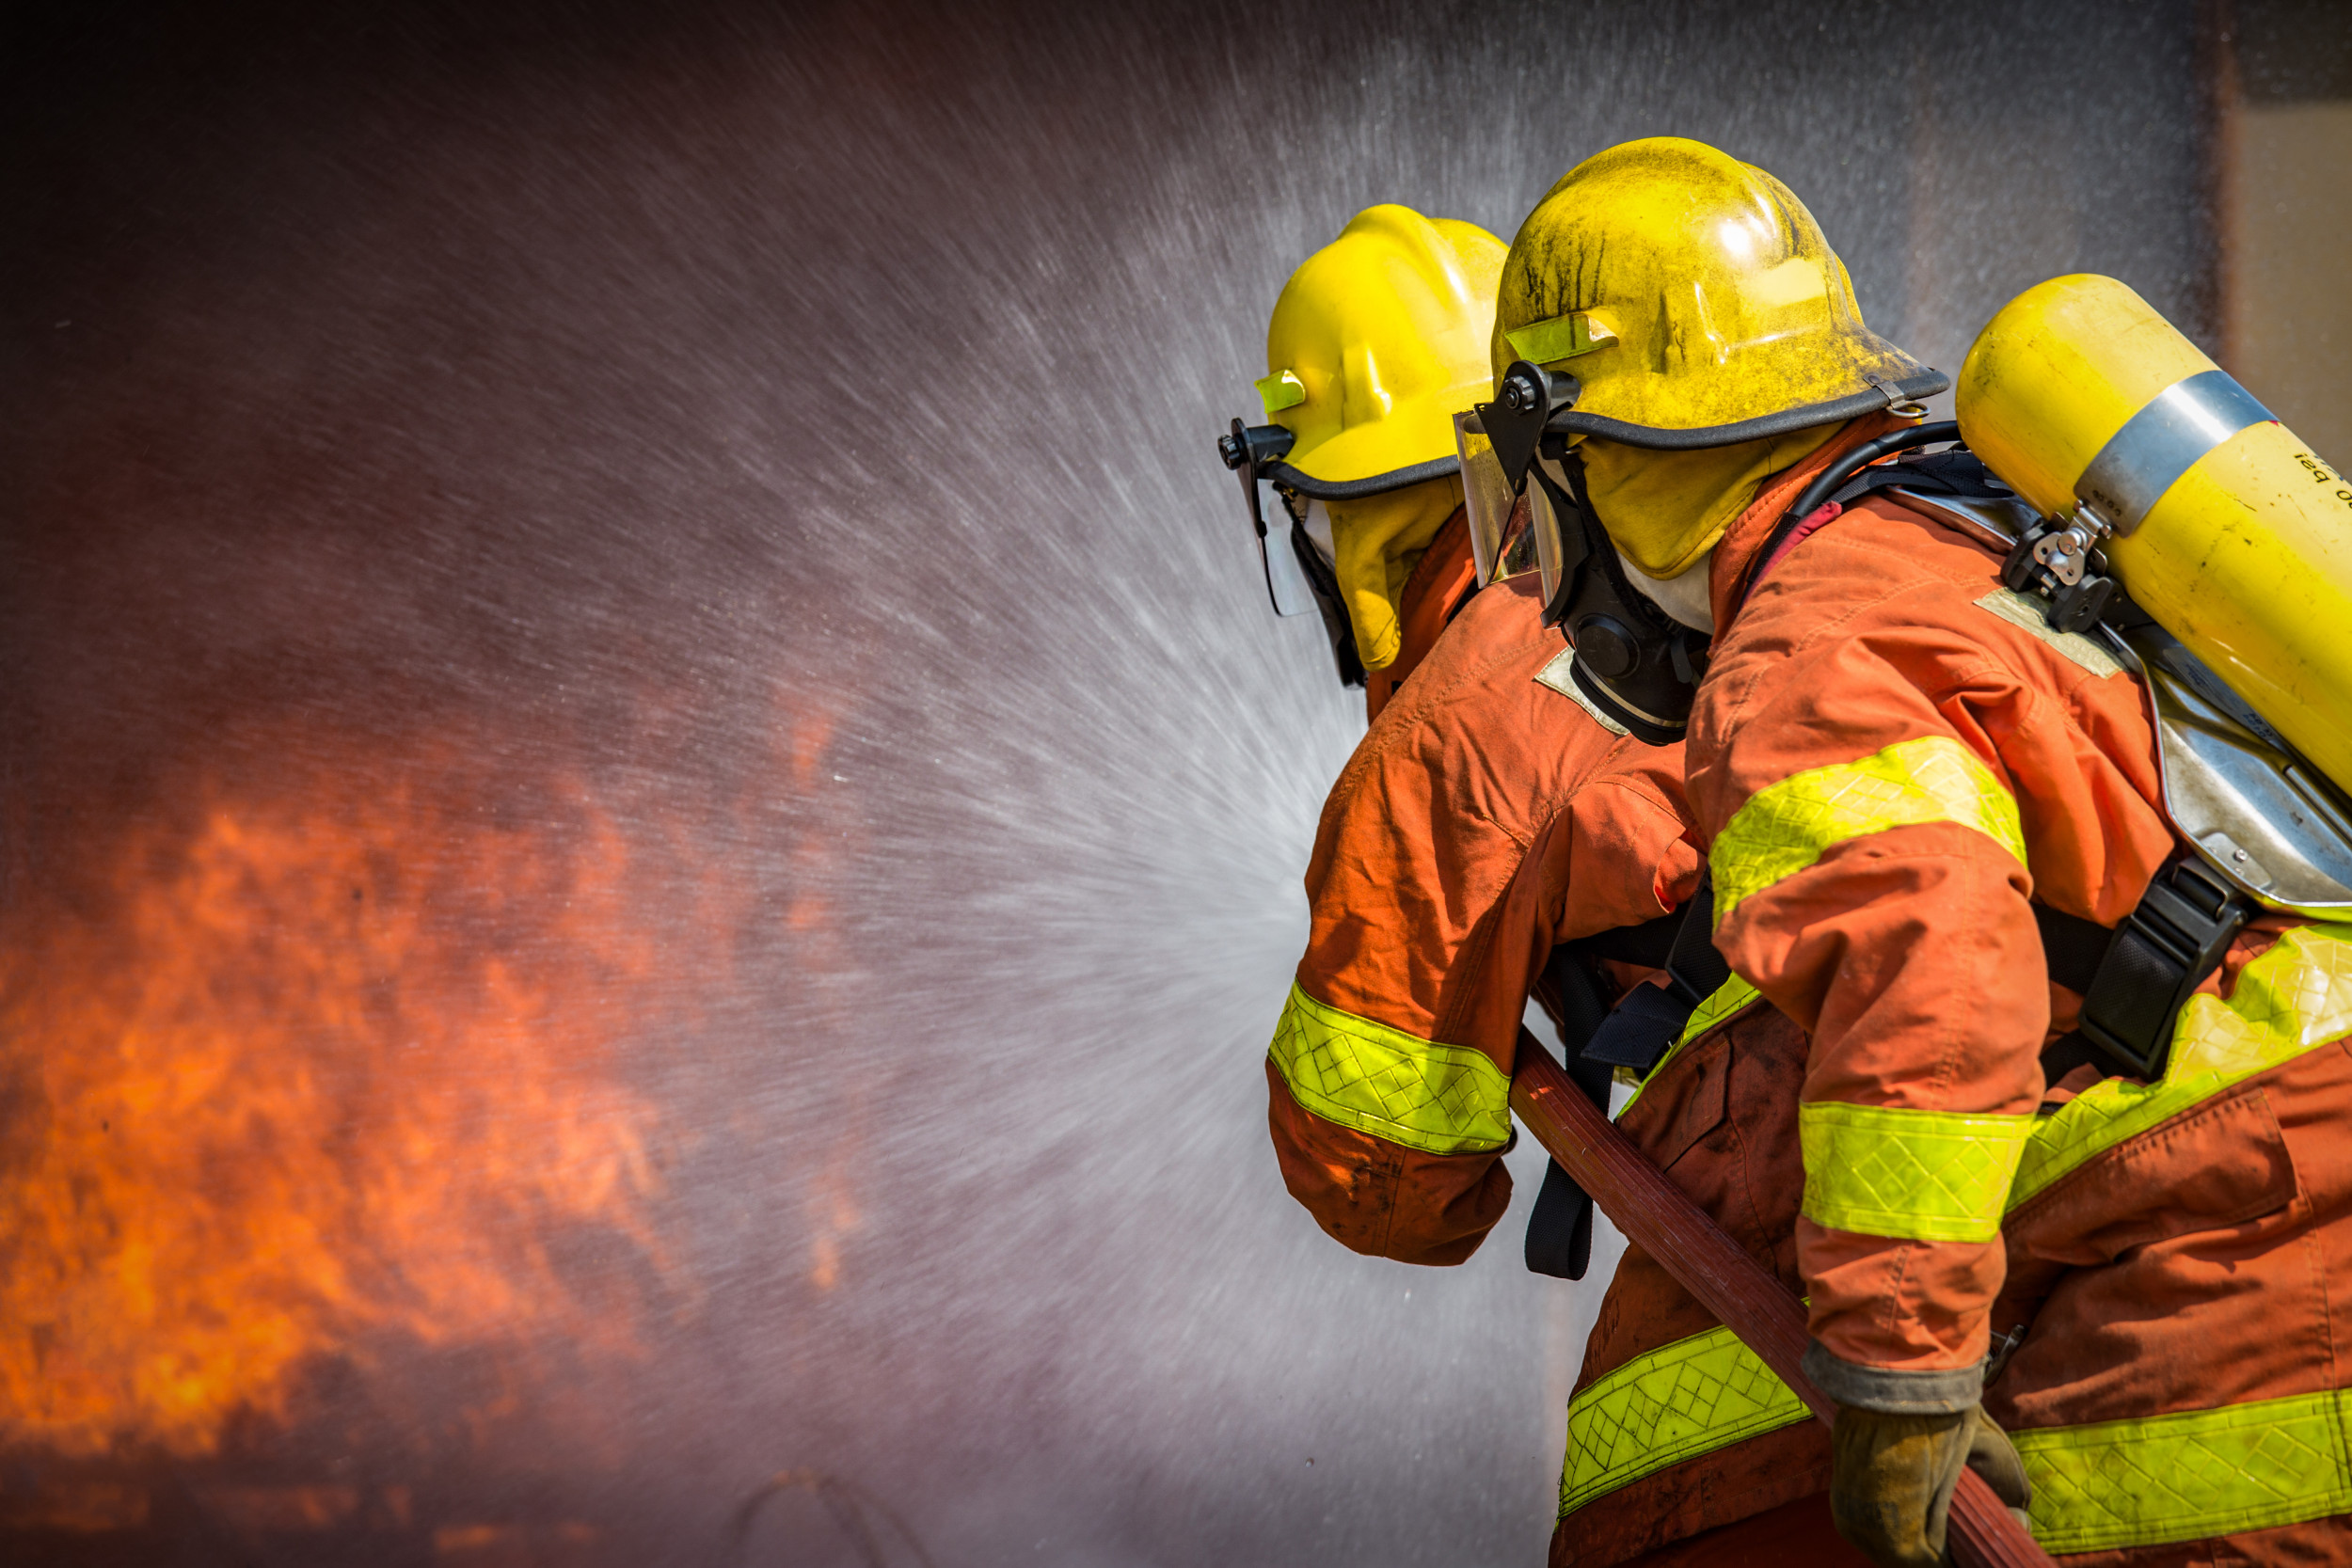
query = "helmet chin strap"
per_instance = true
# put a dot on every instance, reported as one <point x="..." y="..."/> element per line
<point x="1684" y="596"/>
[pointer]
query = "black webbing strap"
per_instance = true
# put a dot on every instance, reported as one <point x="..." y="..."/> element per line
<point x="2136" y="978"/>
<point x="1559" y="1227"/>
<point x="2072" y="946"/>
<point x="1635" y="1032"/>
<point x="2161" y="954"/>
<point x="1650" y="1018"/>
<point x="1958" y="473"/>
<point x="1649" y="945"/>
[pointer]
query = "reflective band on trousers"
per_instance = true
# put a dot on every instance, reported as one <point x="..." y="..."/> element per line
<point x="2188" y="1476"/>
<point x="1676" y="1402"/>
<point x="1930" y="1175"/>
<point x="1786" y="827"/>
<point x="1438" y="1098"/>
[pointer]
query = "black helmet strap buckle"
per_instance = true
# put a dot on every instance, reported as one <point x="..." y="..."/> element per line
<point x="2136" y="978"/>
<point x="1525" y="400"/>
<point x="1250" y="451"/>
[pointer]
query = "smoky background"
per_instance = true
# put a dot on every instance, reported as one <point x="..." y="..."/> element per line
<point x="791" y="427"/>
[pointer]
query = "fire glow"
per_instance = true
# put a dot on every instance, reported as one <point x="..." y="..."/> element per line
<point x="332" y="1072"/>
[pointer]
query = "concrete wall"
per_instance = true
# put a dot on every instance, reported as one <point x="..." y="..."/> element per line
<point x="2288" y="229"/>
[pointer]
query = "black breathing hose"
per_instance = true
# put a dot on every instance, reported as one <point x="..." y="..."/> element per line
<point x="1829" y="480"/>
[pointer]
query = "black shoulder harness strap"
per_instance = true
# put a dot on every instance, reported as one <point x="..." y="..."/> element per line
<point x="1634" y="1034"/>
<point x="1957" y="473"/>
<point x="2136" y="978"/>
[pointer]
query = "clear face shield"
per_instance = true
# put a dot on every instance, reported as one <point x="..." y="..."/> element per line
<point x="1505" y="541"/>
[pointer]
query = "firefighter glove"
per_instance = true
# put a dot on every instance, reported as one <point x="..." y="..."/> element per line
<point x="1891" y="1479"/>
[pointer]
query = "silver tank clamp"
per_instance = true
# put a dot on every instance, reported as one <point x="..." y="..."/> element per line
<point x="2059" y="560"/>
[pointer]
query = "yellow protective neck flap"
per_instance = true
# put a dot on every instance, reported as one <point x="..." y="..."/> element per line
<point x="1667" y="508"/>
<point x="1376" y="543"/>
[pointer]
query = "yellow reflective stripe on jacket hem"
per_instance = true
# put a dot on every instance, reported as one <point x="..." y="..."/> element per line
<point x="1438" y="1098"/>
<point x="1721" y="1004"/>
<point x="2184" y="1477"/>
<point x="2295" y="997"/>
<point x="1929" y="1175"/>
<point x="1725" y="1000"/>
<point x="1786" y="827"/>
<point x="1676" y="1402"/>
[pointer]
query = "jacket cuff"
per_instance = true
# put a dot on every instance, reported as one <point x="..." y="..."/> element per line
<point x="1894" y="1393"/>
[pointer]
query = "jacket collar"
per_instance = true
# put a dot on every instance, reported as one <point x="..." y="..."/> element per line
<point x="1748" y="532"/>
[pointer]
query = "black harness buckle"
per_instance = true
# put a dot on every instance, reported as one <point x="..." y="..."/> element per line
<point x="2155" y="960"/>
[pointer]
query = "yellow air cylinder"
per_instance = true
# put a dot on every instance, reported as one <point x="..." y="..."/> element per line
<point x="2227" y="530"/>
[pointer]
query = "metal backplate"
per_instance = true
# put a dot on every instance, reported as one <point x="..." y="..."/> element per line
<point x="1993" y="523"/>
<point x="2260" y="815"/>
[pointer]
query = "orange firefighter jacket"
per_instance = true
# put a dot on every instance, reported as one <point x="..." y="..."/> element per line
<point x="1485" y="816"/>
<point x="1891" y="760"/>
<point x="1682" y="1448"/>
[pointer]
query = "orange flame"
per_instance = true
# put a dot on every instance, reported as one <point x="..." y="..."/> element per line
<point x="329" y="1073"/>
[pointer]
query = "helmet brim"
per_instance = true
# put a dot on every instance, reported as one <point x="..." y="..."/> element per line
<point x="1925" y="382"/>
<point x="1357" y="489"/>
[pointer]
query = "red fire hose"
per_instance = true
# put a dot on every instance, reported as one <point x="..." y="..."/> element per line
<point x="1657" y="1217"/>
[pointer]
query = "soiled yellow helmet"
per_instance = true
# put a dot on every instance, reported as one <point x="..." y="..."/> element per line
<point x="1695" y="303"/>
<point x="1378" y="340"/>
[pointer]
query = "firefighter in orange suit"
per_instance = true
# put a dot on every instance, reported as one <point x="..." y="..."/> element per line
<point x="1439" y="878"/>
<point x="2113" y="1284"/>
<point x="1486" y="817"/>
<point x="1494" y="812"/>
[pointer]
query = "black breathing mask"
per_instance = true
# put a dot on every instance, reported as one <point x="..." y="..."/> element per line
<point x="1635" y="663"/>
<point x="1638" y="664"/>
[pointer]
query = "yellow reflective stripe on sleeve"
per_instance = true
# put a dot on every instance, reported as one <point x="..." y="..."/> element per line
<point x="2296" y="996"/>
<point x="1786" y="827"/>
<point x="1725" y="1000"/>
<point x="1930" y="1175"/>
<point x="1438" y="1098"/>
<point x="1678" y="1401"/>
<point x="2188" y="1476"/>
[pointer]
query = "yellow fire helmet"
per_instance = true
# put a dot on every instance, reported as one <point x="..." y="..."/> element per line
<point x="1378" y="340"/>
<point x="1680" y="310"/>
<point x="1694" y="302"/>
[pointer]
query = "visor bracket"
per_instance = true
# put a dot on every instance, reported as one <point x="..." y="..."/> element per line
<point x="1525" y="400"/>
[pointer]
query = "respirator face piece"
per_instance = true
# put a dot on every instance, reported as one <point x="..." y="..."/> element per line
<point x="1635" y="662"/>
